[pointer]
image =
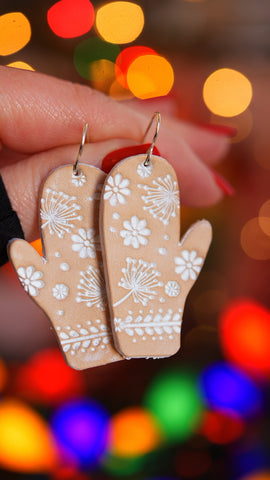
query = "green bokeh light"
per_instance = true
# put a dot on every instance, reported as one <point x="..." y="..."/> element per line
<point x="119" y="466"/>
<point x="174" y="399"/>
<point x="91" y="50"/>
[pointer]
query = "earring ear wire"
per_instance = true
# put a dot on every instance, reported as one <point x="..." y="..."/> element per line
<point x="149" y="153"/>
<point x="76" y="170"/>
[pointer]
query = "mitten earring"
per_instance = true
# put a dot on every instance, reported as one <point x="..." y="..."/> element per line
<point x="67" y="282"/>
<point x="148" y="271"/>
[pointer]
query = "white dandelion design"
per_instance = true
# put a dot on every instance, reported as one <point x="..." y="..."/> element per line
<point x="143" y="170"/>
<point x="140" y="278"/>
<point x="85" y="243"/>
<point x="78" y="180"/>
<point x="79" y="339"/>
<point x="60" y="291"/>
<point x="116" y="189"/>
<point x="30" y="280"/>
<point x="151" y="324"/>
<point x="135" y="232"/>
<point x="92" y="288"/>
<point x="189" y="265"/>
<point x="172" y="288"/>
<point x="162" y="200"/>
<point x="58" y="211"/>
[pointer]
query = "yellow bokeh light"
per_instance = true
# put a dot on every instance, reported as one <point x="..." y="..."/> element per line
<point x="102" y="74"/>
<point x="119" y="22"/>
<point x="118" y="92"/>
<point x="227" y="92"/>
<point x="21" y="65"/>
<point x="15" y="32"/>
<point x="150" y="76"/>
<point x="253" y="240"/>
<point x="25" y="441"/>
<point x="264" y="217"/>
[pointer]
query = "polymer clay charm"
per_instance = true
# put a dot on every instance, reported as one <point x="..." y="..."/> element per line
<point x="148" y="271"/>
<point x="68" y="282"/>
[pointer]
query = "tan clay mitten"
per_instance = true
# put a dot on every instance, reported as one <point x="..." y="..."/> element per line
<point x="68" y="283"/>
<point x="149" y="273"/>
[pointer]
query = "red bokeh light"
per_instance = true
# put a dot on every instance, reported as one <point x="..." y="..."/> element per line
<point x="125" y="59"/>
<point x="47" y="379"/>
<point x="245" y="335"/>
<point x="71" y="18"/>
<point x="221" y="428"/>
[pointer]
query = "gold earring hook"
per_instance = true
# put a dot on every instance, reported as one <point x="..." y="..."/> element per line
<point x="156" y="116"/>
<point x="75" y="166"/>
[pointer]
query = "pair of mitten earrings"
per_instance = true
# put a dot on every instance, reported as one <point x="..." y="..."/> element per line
<point x="114" y="276"/>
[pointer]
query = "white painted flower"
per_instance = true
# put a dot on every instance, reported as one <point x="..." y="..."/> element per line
<point x="58" y="212"/>
<point x="30" y="280"/>
<point x="92" y="288"/>
<point x="135" y="232"/>
<point x="116" y="189"/>
<point x="85" y="243"/>
<point x="78" y="180"/>
<point x="162" y="200"/>
<point x="60" y="291"/>
<point x="172" y="288"/>
<point x="145" y="170"/>
<point x="141" y="279"/>
<point x="189" y="265"/>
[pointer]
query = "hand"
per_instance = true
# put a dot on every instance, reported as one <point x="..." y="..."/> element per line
<point x="40" y="128"/>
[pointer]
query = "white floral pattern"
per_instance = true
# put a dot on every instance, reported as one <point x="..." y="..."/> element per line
<point x="92" y="288"/>
<point x="85" y="242"/>
<point x="116" y="189"/>
<point x="172" y="288"/>
<point x="140" y="278"/>
<point x="78" y="180"/>
<point x="144" y="171"/>
<point x="151" y="324"/>
<point x="162" y="200"/>
<point x="189" y="265"/>
<point x="58" y="212"/>
<point x="135" y="232"/>
<point x="60" y="291"/>
<point x="80" y="338"/>
<point x="30" y="280"/>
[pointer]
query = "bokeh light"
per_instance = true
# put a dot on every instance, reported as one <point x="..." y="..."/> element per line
<point x="254" y="242"/>
<point x="174" y="399"/>
<point x="227" y="92"/>
<point x="81" y="430"/>
<point x="47" y="379"/>
<point x="264" y="217"/>
<point x="3" y="375"/>
<point x="226" y="388"/>
<point x="245" y="335"/>
<point x="222" y="428"/>
<point x="122" y="466"/>
<point x="150" y="76"/>
<point x="37" y="244"/>
<point x="263" y="475"/>
<point x="119" y="22"/>
<point x="134" y="432"/>
<point x="21" y="65"/>
<point x="125" y="59"/>
<point x="71" y="18"/>
<point x="25" y="442"/>
<point x="102" y="75"/>
<point x="91" y="50"/>
<point x="15" y="32"/>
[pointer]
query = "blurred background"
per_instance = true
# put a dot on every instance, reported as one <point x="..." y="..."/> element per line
<point x="204" y="413"/>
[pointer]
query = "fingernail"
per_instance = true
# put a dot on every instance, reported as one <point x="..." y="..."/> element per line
<point x="116" y="156"/>
<point x="223" y="184"/>
<point x="221" y="129"/>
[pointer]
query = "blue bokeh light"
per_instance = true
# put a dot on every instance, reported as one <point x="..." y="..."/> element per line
<point x="225" y="387"/>
<point x="81" y="430"/>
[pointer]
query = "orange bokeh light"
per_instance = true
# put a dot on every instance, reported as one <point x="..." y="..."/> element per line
<point x="150" y="76"/>
<point x="25" y="441"/>
<point x="125" y="59"/>
<point x="245" y="335"/>
<point x="119" y="22"/>
<point x="21" y="65"/>
<point x="15" y="32"/>
<point x="133" y="432"/>
<point x="37" y="244"/>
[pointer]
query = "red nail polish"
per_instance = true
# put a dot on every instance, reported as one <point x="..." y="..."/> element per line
<point x="221" y="129"/>
<point x="223" y="184"/>
<point x="114" y="157"/>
